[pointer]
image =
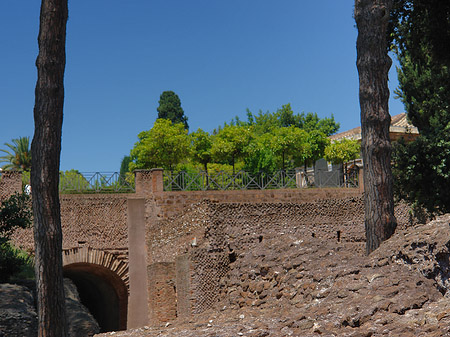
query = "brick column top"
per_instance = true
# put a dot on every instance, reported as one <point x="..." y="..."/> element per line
<point x="149" y="181"/>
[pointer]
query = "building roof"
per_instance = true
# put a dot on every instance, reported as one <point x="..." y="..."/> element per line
<point x="400" y="127"/>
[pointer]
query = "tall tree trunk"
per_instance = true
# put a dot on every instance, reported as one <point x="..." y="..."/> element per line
<point x="45" y="149"/>
<point x="373" y="64"/>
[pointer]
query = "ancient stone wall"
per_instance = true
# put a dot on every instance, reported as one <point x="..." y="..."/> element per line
<point x="170" y="204"/>
<point x="98" y="221"/>
<point x="162" y="292"/>
<point x="211" y="235"/>
<point x="192" y="238"/>
<point x="10" y="183"/>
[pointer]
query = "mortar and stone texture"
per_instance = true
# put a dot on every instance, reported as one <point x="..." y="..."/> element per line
<point x="190" y="238"/>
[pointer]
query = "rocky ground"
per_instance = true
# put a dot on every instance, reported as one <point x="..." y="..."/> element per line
<point x="292" y="283"/>
<point x="18" y="317"/>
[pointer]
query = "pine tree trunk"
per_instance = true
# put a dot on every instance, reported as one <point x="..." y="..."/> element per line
<point x="373" y="65"/>
<point x="45" y="149"/>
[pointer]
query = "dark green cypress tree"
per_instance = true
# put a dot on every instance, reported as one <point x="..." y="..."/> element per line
<point x="170" y="108"/>
<point x="421" y="31"/>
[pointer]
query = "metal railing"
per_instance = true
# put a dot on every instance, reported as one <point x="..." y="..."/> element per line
<point x="242" y="180"/>
<point x="94" y="182"/>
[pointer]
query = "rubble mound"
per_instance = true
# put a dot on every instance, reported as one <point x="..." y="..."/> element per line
<point x="287" y="281"/>
<point x="18" y="317"/>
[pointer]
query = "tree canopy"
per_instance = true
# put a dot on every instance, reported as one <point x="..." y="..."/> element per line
<point x="201" y="147"/>
<point x="265" y="142"/>
<point x="342" y="151"/>
<point x="170" y="108"/>
<point x="230" y="144"/>
<point x="165" y="145"/>
<point x="421" y="34"/>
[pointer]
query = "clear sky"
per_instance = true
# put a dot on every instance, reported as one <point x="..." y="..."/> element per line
<point x="220" y="57"/>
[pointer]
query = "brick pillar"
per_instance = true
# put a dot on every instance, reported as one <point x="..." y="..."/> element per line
<point x="183" y="278"/>
<point x="157" y="180"/>
<point x="137" y="305"/>
<point x="149" y="181"/>
<point x="361" y="179"/>
<point x="162" y="299"/>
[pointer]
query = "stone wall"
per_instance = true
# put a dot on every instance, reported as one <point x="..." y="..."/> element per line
<point x="162" y="292"/>
<point x="208" y="236"/>
<point x="192" y="237"/>
<point x="10" y="183"/>
<point x="97" y="221"/>
<point x="171" y="204"/>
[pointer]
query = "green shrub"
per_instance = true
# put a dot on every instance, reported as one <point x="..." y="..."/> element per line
<point x="14" y="263"/>
<point x="15" y="212"/>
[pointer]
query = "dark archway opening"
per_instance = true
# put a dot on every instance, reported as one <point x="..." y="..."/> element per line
<point x="103" y="292"/>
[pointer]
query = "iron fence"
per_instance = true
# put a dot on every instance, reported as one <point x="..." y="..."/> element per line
<point x="94" y="182"/>
<point x="241" y="180"/>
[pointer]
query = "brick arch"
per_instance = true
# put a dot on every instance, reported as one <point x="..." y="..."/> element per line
<point x="103" y="284"/>
<point x="98" y="257"/>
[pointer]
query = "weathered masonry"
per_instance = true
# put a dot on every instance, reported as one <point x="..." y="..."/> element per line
<point x="151" y="256"/>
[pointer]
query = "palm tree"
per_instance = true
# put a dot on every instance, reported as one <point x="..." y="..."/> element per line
<point x="19" y="155"/>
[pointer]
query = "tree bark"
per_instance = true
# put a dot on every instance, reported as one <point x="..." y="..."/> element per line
<point x="373" y="65"/>
<point x="45" y="149"/>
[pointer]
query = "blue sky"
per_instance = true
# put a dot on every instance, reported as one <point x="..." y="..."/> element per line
<point x="220" y="57"/>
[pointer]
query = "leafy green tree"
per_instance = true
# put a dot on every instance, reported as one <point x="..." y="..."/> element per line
<point x="170" y="108"/>
<point x="421" y="32"/>
<point x="289" y="144"/>
<point x="201" y="148"/>
<point x="72" y="181"/>
<point x="165" y="145"/>
<point x="18" y="157"/>
<point x="230" y="144"/>
<point x="311" y="122"/>
<point x="260" y="157"/>
<point x="124" y="166"/>
<point x="15" y="212"/>
<point x="342" y="151"/>
<point x="317" y="142"/>
<point x="286" y="116"/>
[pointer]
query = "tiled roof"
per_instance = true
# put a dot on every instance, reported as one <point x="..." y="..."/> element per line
<point x="399" y="124"/>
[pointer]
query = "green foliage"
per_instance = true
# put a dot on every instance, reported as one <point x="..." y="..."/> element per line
<point x="311" y="122"/>
<point x="284" y="117"/>
<point x="165" y="145"/>
<point x="124" y="166"/>
<point x="72" y="180"/>
<point x="342" y="151"/>
<point x="170" y="108"/>
<point x="201" y="143"/>
<point x="18" y="157"/>
<point x="289" y="144"/>
<point x="421" y="33"/>
<point x="15" y="212"/>
<point x="265" y="142"/>
<point x="14" y="263"/>
<point x="260" y="157"/>
<point x="272" y="144"/>
<point x="230" y="144"/>
<point x="317" y="142"/>
<point x="422" y="173"/>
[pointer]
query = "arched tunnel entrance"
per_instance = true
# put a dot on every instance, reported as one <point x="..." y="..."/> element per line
<point x="103" y="292"/>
